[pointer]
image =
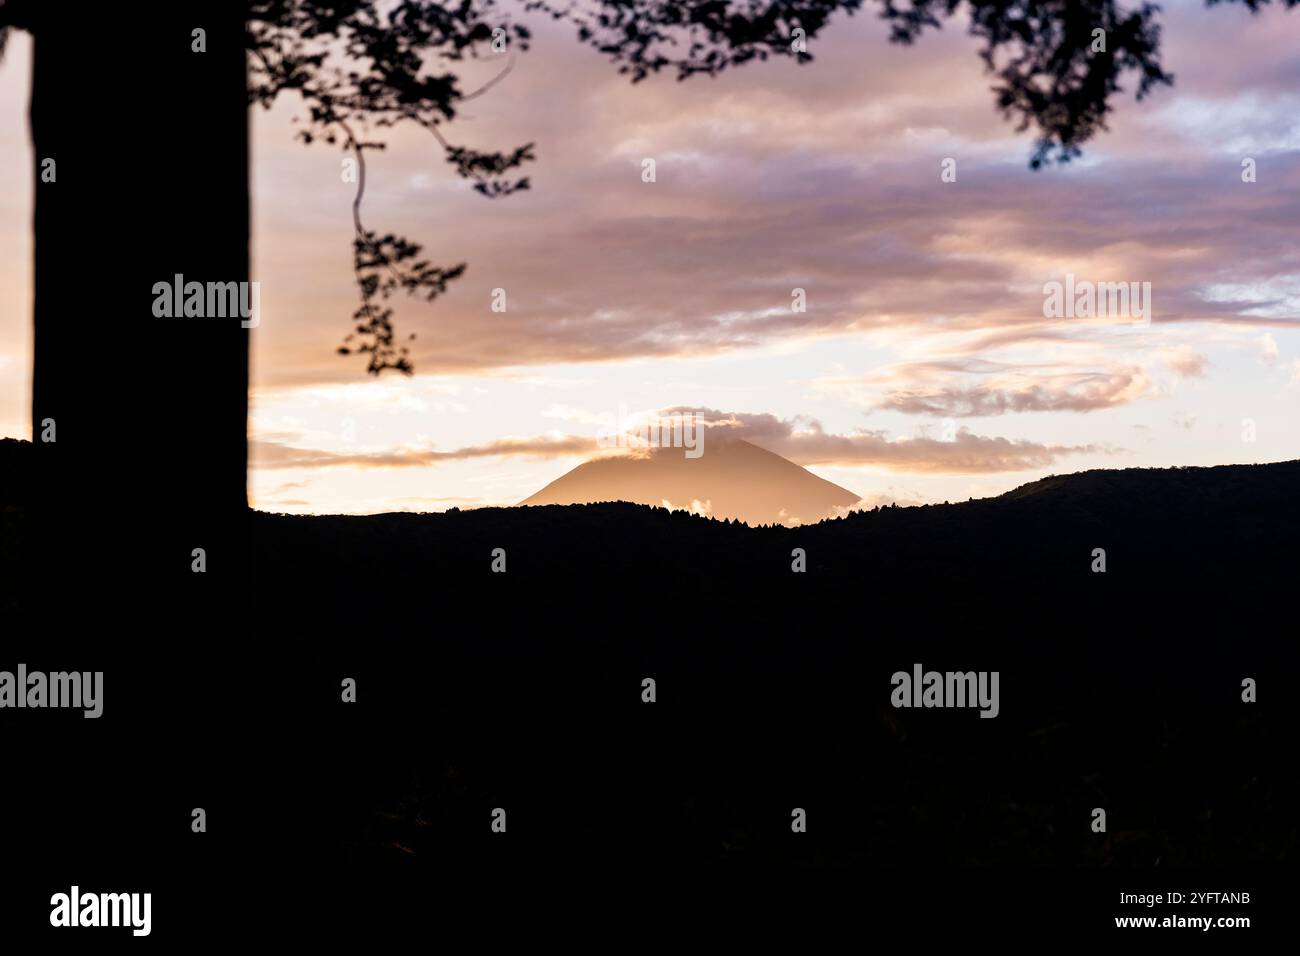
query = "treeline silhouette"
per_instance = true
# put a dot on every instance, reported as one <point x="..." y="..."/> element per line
<point x="1121" y="689"/>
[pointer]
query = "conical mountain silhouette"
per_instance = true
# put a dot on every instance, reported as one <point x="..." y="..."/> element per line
<point x="731" y="479"/>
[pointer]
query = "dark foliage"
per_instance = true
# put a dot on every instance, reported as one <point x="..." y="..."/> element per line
<point x="360" y="65"/>
<point x="1048" y="75"/>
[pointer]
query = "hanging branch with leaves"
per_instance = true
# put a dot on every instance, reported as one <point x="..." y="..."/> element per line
<point x="359" y="68"/>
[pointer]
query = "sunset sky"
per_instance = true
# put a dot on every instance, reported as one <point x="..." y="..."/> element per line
<point x="925" y="299"/>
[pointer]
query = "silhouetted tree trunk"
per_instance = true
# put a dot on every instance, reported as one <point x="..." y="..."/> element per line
<point x="150" y="142"/>
<point x="149" y="414"/>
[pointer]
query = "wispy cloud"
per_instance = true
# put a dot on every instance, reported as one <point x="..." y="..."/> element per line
<point x="802" y="440"/>
<point x="274" y="454"/>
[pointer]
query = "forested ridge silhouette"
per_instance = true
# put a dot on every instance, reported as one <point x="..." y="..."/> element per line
<point x="522" y="689"/>
<point x="1228" y="522"/>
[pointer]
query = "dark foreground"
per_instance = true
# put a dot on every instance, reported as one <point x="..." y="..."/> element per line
<point x="523" y="691"/>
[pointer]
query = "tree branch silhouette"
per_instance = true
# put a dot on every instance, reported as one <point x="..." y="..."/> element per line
<point x="353" y="63"/>
<point x="361" y="64"/>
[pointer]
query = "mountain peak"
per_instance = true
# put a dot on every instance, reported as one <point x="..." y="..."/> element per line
<point x="732" y="478"/>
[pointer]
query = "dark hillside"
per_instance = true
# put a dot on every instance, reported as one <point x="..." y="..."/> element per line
<point x="522" y="689"/>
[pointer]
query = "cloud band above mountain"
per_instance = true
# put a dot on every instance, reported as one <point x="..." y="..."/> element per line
<point x="802" y="440"/>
